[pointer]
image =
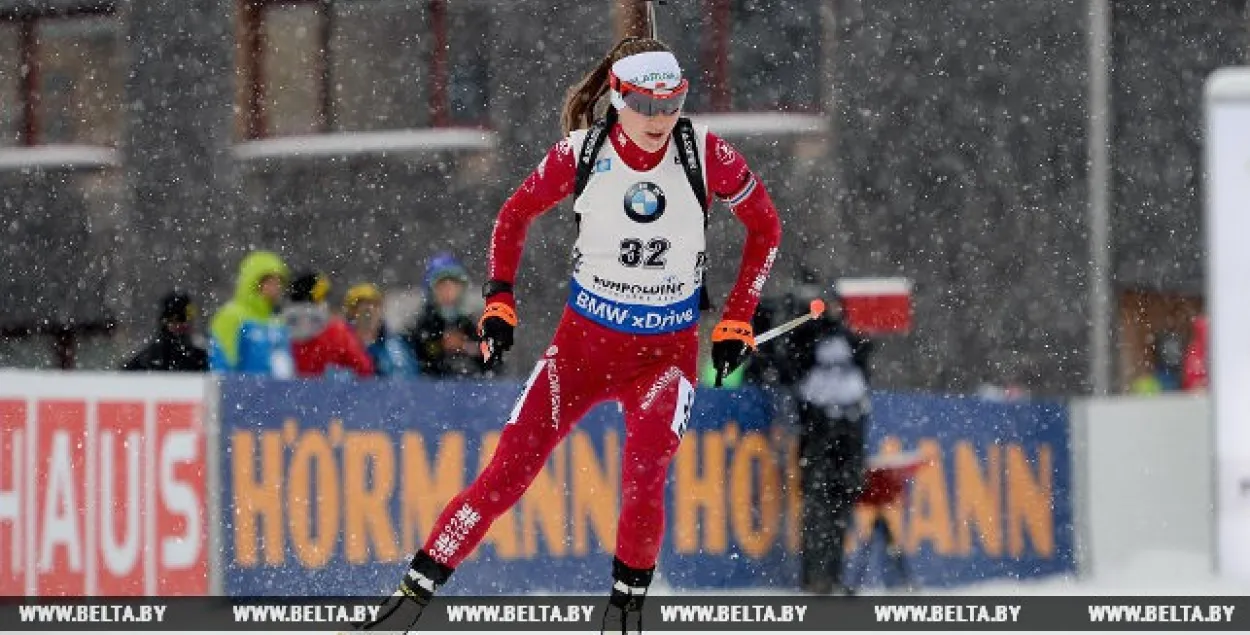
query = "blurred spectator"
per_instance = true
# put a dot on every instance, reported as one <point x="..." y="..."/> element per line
<point x="1195" y="376"/>
<point x="391" y="356"/>
<point x="1146" y="384"/>
<point x="1006" y="393"/>
<point x="321" y="342"/>
<point x="174" y="347"/>
<point x="1166" y="359"/>
<point x="827" y="364"/>
<point x="1170" y="356"/>
<point x="246" y="335"/>
<point x="445" y="334"/>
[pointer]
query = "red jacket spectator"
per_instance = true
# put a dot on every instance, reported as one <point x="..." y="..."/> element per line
<point x="1195" y="371"/>
<point x="320" y="341"/>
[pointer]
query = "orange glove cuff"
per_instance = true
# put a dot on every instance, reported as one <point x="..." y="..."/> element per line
<point x="734" y="330"/>
<point x="498" y="310"/>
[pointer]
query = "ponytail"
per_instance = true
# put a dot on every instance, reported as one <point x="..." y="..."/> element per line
<point x="583" y="98"/>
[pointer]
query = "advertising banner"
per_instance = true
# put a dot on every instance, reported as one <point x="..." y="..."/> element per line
<point x="328" y="487"/>
<point x="102" y="484"/>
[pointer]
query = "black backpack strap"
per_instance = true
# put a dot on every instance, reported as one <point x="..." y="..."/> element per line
<point x="595" y="138"/>
<point x="688" y="153"/>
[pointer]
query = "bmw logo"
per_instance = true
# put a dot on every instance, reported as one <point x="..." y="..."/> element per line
<point x="644" y="202"/>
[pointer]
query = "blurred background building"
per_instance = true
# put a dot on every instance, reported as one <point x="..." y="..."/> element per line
<point x="149" y="144"/>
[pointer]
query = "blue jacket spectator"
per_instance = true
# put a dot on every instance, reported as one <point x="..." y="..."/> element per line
<point x="444" y="337"/>
<point x="247" y="334"/>
<point x="392" y="357"/>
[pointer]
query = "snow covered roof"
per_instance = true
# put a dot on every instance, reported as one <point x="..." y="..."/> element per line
<point x="741" y="124"/>
<point x="57" y="156"/>
<point x="338" y="144"/>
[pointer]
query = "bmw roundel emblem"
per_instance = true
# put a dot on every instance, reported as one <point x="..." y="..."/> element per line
<point x="644" y="202"/>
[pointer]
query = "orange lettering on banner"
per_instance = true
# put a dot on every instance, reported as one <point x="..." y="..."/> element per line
<point x="754" y="450"/>
<point x="978" y="500"/>
<point x="426" y="491"/>
<point x="503" y="533"/>
<point x="794" y="497"/>
<point x="595" y="493"/>
<point x="366" y="515"/>
<point x="930" y="503"/>
<point x="1029" y="502"/>
<point x="256" y="500"/>
<point x="543" y="506"/>
<point x="693" y="493"/>
<point x="313" y="448"/>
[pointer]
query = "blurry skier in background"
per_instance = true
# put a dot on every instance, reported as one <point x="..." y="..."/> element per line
<point x="827" y="364"/>
<point x="629" y="330"/>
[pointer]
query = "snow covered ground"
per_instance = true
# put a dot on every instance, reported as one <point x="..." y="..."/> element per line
<point x="1155" y="573"/>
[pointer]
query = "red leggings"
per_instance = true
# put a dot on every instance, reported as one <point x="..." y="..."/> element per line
<point x="651" y="376"/>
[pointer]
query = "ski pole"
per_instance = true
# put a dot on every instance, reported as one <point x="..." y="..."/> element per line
<point x="816" y="309"/>
<point x="651" y="26"/>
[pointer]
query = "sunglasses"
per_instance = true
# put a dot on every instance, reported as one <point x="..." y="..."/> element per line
<point x="650" y="102"/>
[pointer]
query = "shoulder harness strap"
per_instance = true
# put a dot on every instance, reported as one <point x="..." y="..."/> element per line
<point x="595" y="138"/>
<point x="687" y="151"/>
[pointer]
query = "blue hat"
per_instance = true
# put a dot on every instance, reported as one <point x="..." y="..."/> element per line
<point x="443" y="266"/>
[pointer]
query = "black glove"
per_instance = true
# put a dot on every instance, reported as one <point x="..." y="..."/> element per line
<point x="496" y="328"/>
<point x="732" y="343"/>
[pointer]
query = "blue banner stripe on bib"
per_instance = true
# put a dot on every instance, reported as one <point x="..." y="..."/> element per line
<point x="634" y="318"/>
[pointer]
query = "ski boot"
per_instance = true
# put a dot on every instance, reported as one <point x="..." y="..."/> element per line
<point x="629" y="589"/>
<point x="401" y="611"/>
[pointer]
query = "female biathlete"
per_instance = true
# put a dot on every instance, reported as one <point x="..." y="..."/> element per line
<point x="629" y="330"/>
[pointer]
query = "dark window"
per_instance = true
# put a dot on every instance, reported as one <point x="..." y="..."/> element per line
<point x="291" y="64"/>
<point x="312" y="66"/>
<point x="61" y="78"/>
<point x="12" y="100"/>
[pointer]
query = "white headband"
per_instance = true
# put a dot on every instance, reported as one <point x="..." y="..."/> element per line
<point x="651" y="70"/>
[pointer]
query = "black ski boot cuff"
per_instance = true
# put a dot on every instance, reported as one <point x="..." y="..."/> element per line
<point x="630" y="585"/>
<point x="622" y="572"/>
<point x="425" y="575"/>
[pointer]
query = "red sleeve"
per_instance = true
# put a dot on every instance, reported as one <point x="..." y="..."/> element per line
<point x="546" y="186"/>
<point x="731" y="180"/>
<point x="348" y="350"/>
